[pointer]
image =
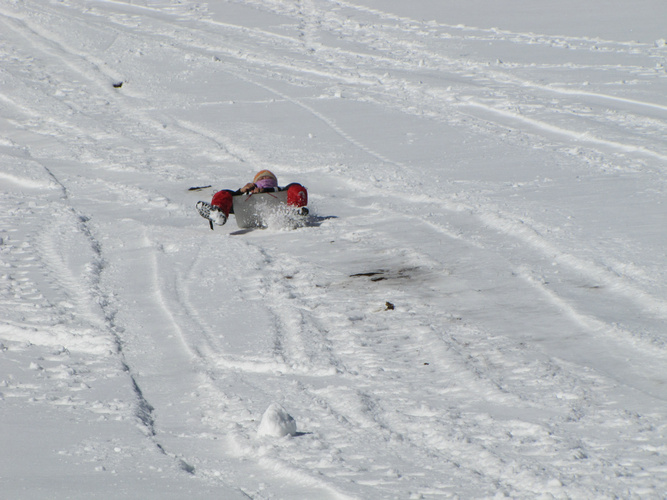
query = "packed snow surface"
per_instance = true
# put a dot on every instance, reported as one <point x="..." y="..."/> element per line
<point x="476" y="306"/>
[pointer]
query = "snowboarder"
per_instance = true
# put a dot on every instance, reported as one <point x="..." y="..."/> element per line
<point x="217" y="212"/>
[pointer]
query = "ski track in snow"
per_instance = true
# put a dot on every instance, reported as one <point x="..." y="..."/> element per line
<point x="524" y="349"/>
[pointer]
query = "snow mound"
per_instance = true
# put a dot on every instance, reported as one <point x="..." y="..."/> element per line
<point x="276" y="422"/>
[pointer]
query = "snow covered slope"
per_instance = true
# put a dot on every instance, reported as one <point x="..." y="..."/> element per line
<point x="476" y="307"/>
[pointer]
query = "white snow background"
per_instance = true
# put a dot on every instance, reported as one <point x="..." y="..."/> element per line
<point x="476" y="308"/>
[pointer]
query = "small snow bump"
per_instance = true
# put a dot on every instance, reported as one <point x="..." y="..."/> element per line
<point x="276" y="422"/>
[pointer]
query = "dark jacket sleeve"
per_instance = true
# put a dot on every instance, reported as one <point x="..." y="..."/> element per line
<point x="269" y="190"/>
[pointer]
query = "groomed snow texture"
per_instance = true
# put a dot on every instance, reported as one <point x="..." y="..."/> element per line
<point x="476" y="306"/>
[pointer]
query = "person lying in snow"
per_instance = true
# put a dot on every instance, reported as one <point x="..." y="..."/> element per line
<point x="264" y="182"/>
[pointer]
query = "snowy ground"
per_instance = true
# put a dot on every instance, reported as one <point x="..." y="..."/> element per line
<point x="495" y="171"/>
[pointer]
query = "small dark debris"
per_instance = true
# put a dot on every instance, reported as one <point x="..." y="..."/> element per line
<point x="117" y="85"/>
<point x="384" y="274"/>
<point x="426" y="364"/>
<point x="389" y="306"/>
<point x="369" y="274"/>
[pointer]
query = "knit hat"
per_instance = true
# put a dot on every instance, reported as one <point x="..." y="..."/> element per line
<point x="264" y="173"/>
